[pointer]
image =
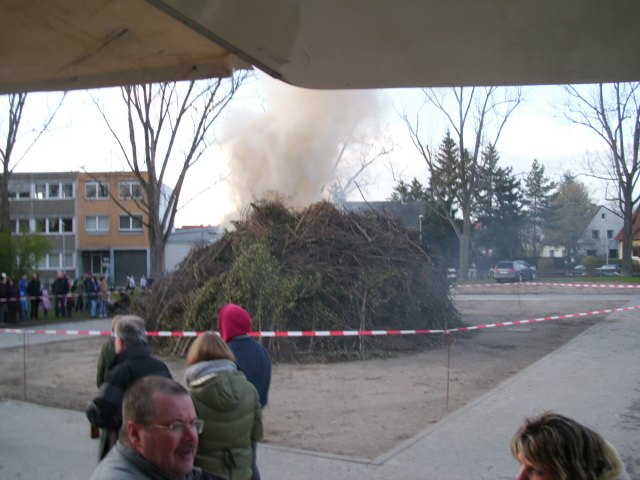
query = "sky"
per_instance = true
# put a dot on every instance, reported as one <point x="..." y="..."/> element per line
<point x="277" y="138"/>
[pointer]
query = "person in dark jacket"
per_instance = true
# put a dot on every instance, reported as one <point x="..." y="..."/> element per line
<point x="3" y="299"/>
<point x="133" y="361"/>
<point x="34" y="290"/>
<point x="229" y="405"/>
<point x="252" y="359"/>
<point x="59" y="290"/>
<point x="13" y="300"/>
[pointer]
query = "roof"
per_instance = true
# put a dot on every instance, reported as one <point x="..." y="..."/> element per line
<point x="635" y="228"/>
<point x="193" y="235"/>
<point x="407" y="212"/>
<point x="77" y="44"/>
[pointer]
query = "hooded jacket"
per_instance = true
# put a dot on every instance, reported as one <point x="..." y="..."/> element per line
<point x="616" y="470"/>
<point x="252" y="359"/>
<point x="230" y="408"/>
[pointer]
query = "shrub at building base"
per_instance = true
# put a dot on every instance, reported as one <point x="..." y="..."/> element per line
<point x="319" y="269"/>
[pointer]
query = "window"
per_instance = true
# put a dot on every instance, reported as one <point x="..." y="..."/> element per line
<point x="609" y="233"/>
<point x="130" y="189"/>
<point x="595" y="234"/>
<point x="67" y="190"/>
<point x="41" y="191"/>
<point x="67" y="260"/>
<point x="131" y="223"/>
<point x="22" y="225"/>
<point x="55" y="261"/>
<point x="96" y="190"/>
<point x="54" y="190"/>
<point x="20" y="192"/>
<point x="552" y="253"/>
<point x="41" y="225"/>
<point x="96" y="223"/>
<point x="54" y="225"/>
<point x="67" y="225"/>
<point x="604" y="216"/>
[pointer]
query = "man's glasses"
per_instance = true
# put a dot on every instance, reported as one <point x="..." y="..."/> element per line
<point x="180" y="427"/>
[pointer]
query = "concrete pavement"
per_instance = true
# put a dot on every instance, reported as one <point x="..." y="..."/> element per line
<point x="595" y="378"/>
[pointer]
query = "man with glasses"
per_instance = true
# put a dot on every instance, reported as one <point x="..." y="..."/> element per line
<point x="133" y="361"/>
<point x="159" y="436"/>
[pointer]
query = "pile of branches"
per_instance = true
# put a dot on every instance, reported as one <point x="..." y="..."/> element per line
<point x="318" y="269"/>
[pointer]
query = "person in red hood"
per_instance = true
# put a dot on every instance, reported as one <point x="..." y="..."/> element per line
<point x="252" y="359"/>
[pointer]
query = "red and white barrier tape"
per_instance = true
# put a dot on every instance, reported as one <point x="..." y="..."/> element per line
<point x="330" y="333"/>
<point x="551" y="284"/>
<point x="102" y="295"/>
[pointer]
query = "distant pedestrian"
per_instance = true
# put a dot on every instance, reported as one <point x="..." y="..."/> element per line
<point x="91" y="289"/>
<point x="24" y="297"/>
<point x="131" y="284"/>
<point x="555" y="447"/>
<point x="3" y="298"/>
<point x="13" y="301"/>
<point x="252" y="359"/>
<point x="46" y="302"/>
<point x="59" y="290"/>
<point x="143" y="284"/>
<point x="34" y="290"/>
<point x="103" y="295"/>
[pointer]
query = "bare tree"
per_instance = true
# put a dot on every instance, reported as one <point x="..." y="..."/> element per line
<point x="9" y="129"/>
<point x="612" y="111"/>
<point x="169" y="127"/>
<point x="353" y="159"/>
<point x="474" y="112"/>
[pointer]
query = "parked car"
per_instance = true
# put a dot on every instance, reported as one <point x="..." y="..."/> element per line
<point x="611" y="270"/>
<point x="452" y="275"/>
<point x="578" y="271"/>
<point x="513" y="271"/>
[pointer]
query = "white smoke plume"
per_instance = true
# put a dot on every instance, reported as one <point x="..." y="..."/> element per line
<point x="290" y="147"/>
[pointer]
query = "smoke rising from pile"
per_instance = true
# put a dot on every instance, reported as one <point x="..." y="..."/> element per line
<point x="290" y="148"/>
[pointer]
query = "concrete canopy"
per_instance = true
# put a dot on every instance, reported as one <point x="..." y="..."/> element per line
<point x="337" y="44"/>
<point x="78" y="44"/>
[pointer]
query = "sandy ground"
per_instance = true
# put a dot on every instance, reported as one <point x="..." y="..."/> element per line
<point x="360" y="408"/>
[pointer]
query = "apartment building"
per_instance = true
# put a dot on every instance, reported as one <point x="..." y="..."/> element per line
<point x="46" y="203"/>
<point x="94" y="221"/>
<point x="112" y="236"/>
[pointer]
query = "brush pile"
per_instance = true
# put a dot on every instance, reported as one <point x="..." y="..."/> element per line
<point x="319" y="269"/>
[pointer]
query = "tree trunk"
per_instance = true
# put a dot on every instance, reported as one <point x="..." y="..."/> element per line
<point x="465" y="241"/>
<point x="5" y="218"/>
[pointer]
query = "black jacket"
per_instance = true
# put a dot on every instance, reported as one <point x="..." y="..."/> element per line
<point x="131" y="364"/>
<point x="33" y="289"/>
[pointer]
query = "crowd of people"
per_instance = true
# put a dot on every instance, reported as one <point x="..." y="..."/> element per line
<point x="87" y="295"/>
<point x="153" y="427"/>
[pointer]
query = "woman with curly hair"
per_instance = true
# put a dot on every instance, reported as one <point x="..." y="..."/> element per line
<point x="555" y="447"/>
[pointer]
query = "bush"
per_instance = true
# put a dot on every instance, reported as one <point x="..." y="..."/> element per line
<point x="318" y="269"/>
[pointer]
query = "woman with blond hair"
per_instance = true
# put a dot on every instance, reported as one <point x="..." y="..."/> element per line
<point x="555" y="447"/>
<point x="229" y="406"/>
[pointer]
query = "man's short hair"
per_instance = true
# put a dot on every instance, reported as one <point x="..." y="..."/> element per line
<point x="137" y="406"/>
<point x="130" y="329"/>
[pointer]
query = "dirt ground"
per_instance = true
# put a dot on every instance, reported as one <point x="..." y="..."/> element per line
<point x="360" y="408"/>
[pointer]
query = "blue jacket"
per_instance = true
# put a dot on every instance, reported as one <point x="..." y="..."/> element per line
<point x="253" y="360"/>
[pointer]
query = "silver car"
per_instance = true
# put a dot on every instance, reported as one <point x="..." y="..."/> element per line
<point x="513" y="271"/>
